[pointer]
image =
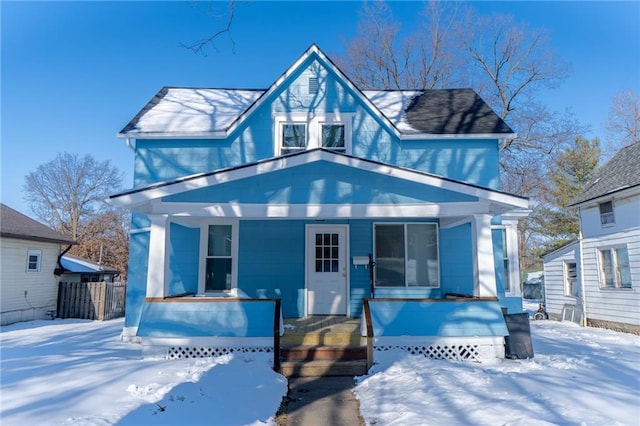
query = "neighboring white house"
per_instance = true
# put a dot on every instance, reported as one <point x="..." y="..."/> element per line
<point x="563" y="295"/>
<point x="608" y="271"/>
<point x="29" y="254"/>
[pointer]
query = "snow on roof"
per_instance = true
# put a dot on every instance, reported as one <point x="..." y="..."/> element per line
<point x="195" y="112"/>
<point x="78" y="264"/>
<point x="394" y="104"/>
<point x="189" y="110"/>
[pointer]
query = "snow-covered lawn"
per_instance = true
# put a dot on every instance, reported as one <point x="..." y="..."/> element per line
<point x="74" y="372"/>
<point x="578" y="376"/>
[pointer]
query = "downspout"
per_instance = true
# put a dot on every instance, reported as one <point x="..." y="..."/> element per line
<point x="582" y="284"/>
<point x="130" y="145"/>
<point x="60" y="270"/>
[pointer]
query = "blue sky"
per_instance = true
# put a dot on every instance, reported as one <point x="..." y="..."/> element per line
<point x="74" y="73"/>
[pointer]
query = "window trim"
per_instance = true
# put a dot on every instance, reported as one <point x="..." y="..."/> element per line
<point x="613" y="250"/>
<point x="406" y="253"/>
<point x="38" y="254"/>
<point x="314" y="123"/>
<point x="603" y="216"/>
<point x="566" y="277"/>
<point x="203" y="256"/>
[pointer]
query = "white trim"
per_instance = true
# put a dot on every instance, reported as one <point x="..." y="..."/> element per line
<point x="157" y="191"/>
<point x="202" y="256"/>
<point x="483" y="257"/>
<point x="38" y="254"/>
<point x="436" y="136"/>
<point x="313" y="127"/>
<point x="321" y="211"/>
<point x="140" y="230"/>
<point x="157" y="261"/>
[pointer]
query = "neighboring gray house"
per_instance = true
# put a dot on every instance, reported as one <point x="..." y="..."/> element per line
<point x="29" y="254"/>
<point x="563" y="295"/>
<point x="81" y="270"/>
<point x="601" y="272"/>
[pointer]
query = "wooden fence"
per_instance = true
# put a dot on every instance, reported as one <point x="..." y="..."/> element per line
<point x="95" y="301"/>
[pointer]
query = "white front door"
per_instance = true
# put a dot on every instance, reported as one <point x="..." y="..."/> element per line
<point x="326" y="270"/>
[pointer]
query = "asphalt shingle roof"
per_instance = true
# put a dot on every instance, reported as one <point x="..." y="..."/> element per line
<point x="14" y="224"/>
<point x="621" y="172"/>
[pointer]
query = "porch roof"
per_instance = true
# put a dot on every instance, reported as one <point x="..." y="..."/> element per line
<point x="318" y="183"/>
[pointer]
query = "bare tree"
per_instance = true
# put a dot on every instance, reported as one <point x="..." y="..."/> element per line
<point x="623" y="125"/>
<point x="507" y="62"/>
<point x="227" y="16"/>
<point x="105" y="239"/>
<point x="68" y="191"/>
<point x="380" y="58"/>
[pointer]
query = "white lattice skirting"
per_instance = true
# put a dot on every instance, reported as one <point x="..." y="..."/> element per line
<point x="474" y="349"/>
<point x="181" y="348"/>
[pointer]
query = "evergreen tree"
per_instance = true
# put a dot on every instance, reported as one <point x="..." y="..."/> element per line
<point x="569" y="172"/>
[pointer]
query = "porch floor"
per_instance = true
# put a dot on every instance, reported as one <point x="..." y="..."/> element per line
<point x="321" y="330"/>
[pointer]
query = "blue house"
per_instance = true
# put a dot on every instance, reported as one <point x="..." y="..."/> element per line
<point x="320" y="194"/>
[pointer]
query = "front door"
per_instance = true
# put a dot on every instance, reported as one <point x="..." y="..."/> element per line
<point x="326" y="270"/>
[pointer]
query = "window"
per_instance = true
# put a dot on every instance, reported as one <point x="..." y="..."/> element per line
<point x="333" y="137"/>
<point x="570" y="279"/>
<point x="606" y="214"/>
<point x="218" y="262"/>
<point x="33" y="260"/>
<point x="614" y="268"/>
<point x="297" y="132"/>
<point x="294" y="138"/>
<point x="406" y="255"/>
<point x="327" y="249"/>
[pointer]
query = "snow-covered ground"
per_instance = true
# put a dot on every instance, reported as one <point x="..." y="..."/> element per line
<point x="75" y="372"/>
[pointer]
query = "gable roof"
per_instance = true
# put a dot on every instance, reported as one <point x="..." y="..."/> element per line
<point x="215" y="113"/>
<point x="618" y="174"/>
<point x="500" y="201"/>
<point x="14" y="224"/>
<point x="79" y="264"/>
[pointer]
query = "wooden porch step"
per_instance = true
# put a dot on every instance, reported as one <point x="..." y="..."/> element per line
<point x="320" y="368"/>
<point x="321" y="339"/>
<point x="326" y="353"/>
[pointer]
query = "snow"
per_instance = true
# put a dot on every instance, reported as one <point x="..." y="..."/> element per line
<point x="209" y="111"/>
<point x="578" y="376"/>
<point x="393" y="104"/>
<point x="196" y="111"/>
<point x="78" y="372"/>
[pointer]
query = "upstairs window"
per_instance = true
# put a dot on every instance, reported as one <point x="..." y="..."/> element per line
<point x="297" y="132"/>
<point x="294" y="138"/>
<point x="33" y="260"/>
<point x="333" y="137"/>
<point x="606" y="214"/>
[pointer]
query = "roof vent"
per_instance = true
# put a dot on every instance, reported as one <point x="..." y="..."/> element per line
<point x="313" y="85"/>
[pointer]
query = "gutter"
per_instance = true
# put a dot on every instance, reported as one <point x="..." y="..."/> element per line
<point x="61" y="269"/>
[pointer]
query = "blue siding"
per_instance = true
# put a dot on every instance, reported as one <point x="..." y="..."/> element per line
<point x="271" y="262"/>
<point x="318" y="183"/>
<point x="456" y="259"/>
<point x="361" y="244"/>
<point x="184" y="251"/>
<point x="207" y="319"/>
<point x="137" y="277"/>
<point x="443" y="319"/>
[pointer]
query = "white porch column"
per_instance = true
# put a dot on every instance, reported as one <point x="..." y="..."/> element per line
<point x="156" y="269"/>
<point x="484" y="265"/>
